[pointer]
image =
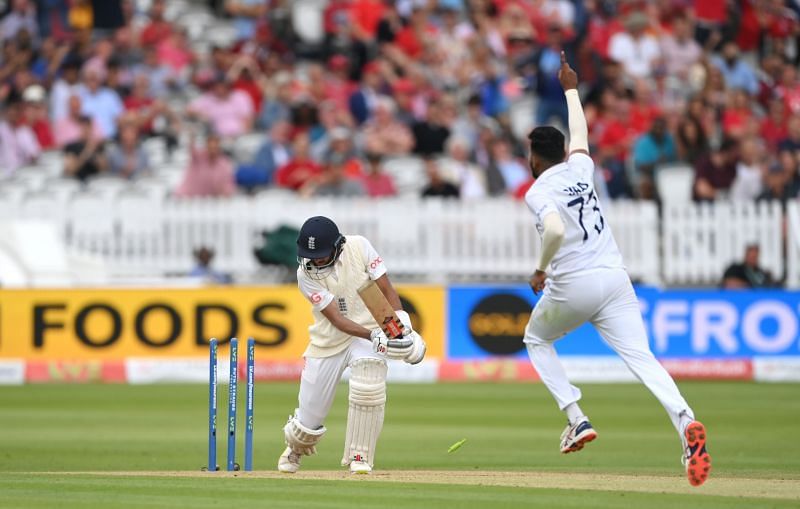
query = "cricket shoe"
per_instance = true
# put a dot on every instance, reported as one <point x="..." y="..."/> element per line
<point x="359" y="466"/>
<point x="696" y="458"/>
<point x="289" y="462"/>
<point x="575" y="436"/>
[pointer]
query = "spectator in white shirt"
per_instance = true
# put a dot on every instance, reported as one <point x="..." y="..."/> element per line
<point x="679" y="50"/>
<point x="750" y="171"/>
<point x="66" y="86"/>
<point x="22" y="17"/>
<point x="18" y="144"/>
<point x="634" y="48"/>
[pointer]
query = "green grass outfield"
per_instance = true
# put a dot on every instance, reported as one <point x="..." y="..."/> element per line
<point x="87" y="446"/>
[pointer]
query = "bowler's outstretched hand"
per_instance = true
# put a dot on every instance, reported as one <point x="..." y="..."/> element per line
<point x="567" y="75"/>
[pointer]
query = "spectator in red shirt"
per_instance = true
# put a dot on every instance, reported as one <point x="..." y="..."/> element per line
<point x="300" y="168"/>
<point x="789" y="89"/>
<point x="158" y="29"/>
<point x="737" y="115"/>
<point x="139" y="106"/>
<point x="36" y="116"/>
<point x="643" y="109"/>
<point x="365" y="16"/>
<point x="711" y="16"/>
<point x="245" y="75"/>
<point x="416" y="33"/>
<point x="336" y="84"/>
<point x="773" y="127"/>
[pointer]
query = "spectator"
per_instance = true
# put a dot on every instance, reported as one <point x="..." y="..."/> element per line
<point x="18" y="144"/>
<point x="273" y="153"/>
<point x="512" y="172"/>
<point x="750" y="171"/>
<point x="774" y="126"/>
<point x="85" y="157"/>
<point x="175" y="53"/>
<point x="203" y="257"/>
<point x="468" y="124"/>
<point x="437" y="187"/>
<point x="300" y="168"/>
<point x="157" y="29"/>
<point x="430" y="135"/>
<point x="277" y="99"/>
<point x="634" y="48"/>
<point x="36" y="116"/>
<point x="792" y="140"/>
<point x="736" y="72"/>
<point x="102" y="104"/>
<point x="679" y="50"/>
<point x="229" y="112"/>
<point x="209" y="173"/>
<point x="22" y="18"/>
<point x="692" y="141"/>
<point x="384" y="135"/>
<point x="715" y="173"/>
<point x="66" y="86"/>
<point x="127" y="158"/>
<point x="364" y="100"/>
<point x="246" y="15"/>
<point x="778" y="183"/>
<point x="748" y="274"/>
<point x="738" y="116"/>
<point x="341" y="145"/>
<point x="69" y="129"/>
<point x="652" y="149"/>
<point x="102" y="51"/>
<point x="140" y="107"/>
<point x="470" y="179"/>
<point x="334" y="182"/>
<point x="377" y="182"/>
<point x="159" y="76"/>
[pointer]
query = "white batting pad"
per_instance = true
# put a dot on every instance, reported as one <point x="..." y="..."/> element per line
<point x="367" y="405"/>
<point x="302" y="440"/>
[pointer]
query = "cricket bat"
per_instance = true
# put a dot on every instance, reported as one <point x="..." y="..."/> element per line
<point x="381" y="310"/>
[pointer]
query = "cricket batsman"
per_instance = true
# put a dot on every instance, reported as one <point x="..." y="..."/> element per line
<point x="587" y="282"/>
<point x="332" y="267"/>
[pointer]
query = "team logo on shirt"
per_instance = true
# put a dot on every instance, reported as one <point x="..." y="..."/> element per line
<point x="312" y="243"/>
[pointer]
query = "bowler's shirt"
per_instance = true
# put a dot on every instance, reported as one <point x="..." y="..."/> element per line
<point x="568" y="190"/>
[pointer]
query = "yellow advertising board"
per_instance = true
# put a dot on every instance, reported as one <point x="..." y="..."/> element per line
<point x="112" y="324"/>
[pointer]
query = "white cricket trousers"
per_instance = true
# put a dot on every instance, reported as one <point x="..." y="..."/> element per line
<point x="320" y="378"/>
<point x="604" y="298"/>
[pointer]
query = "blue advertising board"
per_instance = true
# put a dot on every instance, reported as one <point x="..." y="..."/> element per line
<point x="486" y="321"/>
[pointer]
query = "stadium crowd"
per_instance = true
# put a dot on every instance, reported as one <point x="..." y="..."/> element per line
<point x="711" y="84"/>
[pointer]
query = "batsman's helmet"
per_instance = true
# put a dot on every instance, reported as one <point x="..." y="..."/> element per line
<point x="319" y="238"/>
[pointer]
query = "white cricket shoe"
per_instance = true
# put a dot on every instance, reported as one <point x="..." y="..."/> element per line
<point x="289" y="462"/>
<point x="575" y="436"/>
<point x="359" y="466"/>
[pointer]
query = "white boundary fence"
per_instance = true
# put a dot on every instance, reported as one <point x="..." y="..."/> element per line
<point x="428" y="240"/>
<point x="701" y="239"/>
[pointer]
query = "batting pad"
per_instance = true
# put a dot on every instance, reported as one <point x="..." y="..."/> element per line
<point x="367" y="405"/>
<point x="302" y="440"/>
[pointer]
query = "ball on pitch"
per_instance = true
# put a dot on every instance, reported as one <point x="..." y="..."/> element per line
<point x="456" y="446"/>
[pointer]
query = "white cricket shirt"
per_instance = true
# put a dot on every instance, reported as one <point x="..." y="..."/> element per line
<point x="568" y="189"/>
<point x="358" y="263"/>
